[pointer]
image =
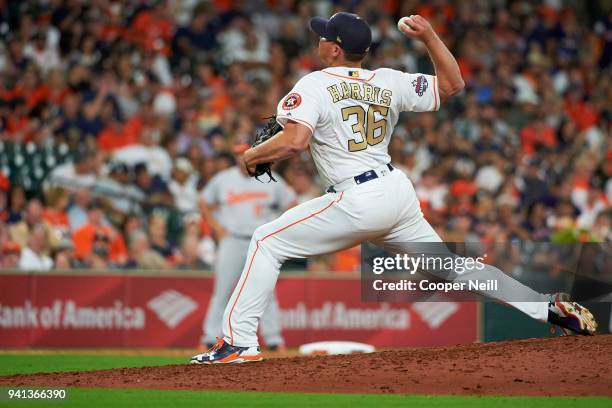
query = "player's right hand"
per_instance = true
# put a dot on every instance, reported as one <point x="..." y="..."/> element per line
<point x="416" y="27"/>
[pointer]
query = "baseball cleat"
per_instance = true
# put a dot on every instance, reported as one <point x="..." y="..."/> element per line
<point x="570" y="316"/>
<point x="224" y="353"/>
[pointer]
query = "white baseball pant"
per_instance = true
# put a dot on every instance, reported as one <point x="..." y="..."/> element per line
<point x="385" y="211"/>
<point x="231" y="257"/>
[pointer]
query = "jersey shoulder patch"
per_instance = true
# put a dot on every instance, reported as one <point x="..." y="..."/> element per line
<point x="292" y="101"/>
<point x="420" y="85"/>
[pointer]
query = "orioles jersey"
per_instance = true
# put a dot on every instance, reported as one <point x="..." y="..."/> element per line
<point x="352" y="112"/>
<point x="245" y="203"/>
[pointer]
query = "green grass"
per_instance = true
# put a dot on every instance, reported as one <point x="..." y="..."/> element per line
<point x="29" y="363"/>
<point x="98" y="397"/>
<point x="95" y="397"/>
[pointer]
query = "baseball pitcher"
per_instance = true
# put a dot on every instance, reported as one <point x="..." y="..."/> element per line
<point x="235" y="204"/>
<point x="346" y="115"/>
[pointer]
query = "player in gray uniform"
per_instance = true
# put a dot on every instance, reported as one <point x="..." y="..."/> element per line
<point x="235" y="205"/>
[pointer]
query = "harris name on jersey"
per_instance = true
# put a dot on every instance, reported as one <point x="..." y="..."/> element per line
<point x="361" y="91"/>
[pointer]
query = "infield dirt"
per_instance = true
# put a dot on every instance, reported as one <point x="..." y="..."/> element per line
<point x="562" y="366"/>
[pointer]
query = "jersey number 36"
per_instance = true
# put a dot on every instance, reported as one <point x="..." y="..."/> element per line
<point x="367" y="126"/>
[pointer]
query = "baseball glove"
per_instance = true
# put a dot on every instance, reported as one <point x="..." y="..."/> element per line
<point x="271" y="128"/>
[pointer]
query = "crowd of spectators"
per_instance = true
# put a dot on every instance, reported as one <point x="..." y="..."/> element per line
<point x="115" y="114"/>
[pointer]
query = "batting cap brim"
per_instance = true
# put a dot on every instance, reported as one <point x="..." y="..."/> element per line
<point x="318" y="25"/>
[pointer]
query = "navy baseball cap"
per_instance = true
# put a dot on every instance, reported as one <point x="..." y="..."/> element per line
<point x="347" y="30"/>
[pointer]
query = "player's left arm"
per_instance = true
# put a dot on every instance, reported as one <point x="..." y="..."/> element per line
<point x="449" y="77"/>
<point x="294" y="138"/>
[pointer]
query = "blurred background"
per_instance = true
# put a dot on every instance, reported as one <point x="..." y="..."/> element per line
<point x="114" y="115"/>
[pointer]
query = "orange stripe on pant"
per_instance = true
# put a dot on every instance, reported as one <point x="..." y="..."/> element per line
<point x="255" y="252"/>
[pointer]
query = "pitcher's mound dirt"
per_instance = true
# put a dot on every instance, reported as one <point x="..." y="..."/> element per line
<point x="572" y="366"/>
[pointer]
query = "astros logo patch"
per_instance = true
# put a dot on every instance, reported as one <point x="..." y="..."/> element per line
<point x="420" y="85"/>
<point x="292" y="101"/>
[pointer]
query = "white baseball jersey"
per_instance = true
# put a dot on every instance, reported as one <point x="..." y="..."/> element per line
<point x="352" y="112"/>
<point x="245" y="203"/>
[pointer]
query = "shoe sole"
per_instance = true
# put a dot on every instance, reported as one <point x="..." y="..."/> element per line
<point x="235" y="361"/>
<point x="584" y="317"/>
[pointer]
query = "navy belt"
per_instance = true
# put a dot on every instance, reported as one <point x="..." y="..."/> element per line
<point x="362" y="178"/>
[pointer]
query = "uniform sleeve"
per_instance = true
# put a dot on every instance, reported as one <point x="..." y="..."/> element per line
<point x="210" y="193"/>
<point x="302" y="105"/>
<point x="418" y="92"/>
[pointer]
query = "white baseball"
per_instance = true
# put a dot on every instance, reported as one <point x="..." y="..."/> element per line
<point x="404" y="20"/>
